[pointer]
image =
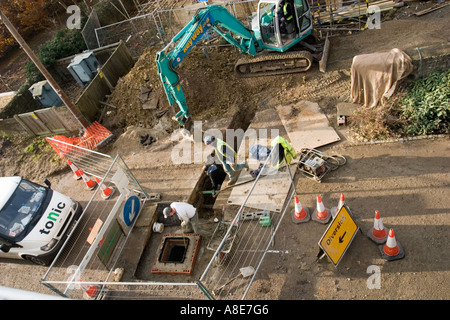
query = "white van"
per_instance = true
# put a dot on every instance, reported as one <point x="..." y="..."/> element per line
<point x="34" y="220"/>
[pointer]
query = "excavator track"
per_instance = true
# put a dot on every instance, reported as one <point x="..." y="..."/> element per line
<point x="274" y="64"/>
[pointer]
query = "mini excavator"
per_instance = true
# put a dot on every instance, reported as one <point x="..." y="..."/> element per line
<point x="275" y="44"/>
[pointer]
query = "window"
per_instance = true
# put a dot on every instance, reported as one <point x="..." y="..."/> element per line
<point x="22" y="210"/>
<point x="267" y="23"/>
<point x="304" y="17"/>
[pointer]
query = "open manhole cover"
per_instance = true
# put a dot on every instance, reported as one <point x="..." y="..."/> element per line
<point x="176" y="253"/>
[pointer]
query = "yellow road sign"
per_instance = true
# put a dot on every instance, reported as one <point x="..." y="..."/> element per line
<point x="339" y="235"/>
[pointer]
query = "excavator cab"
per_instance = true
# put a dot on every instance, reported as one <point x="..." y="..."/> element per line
<point x="280" y="24"/>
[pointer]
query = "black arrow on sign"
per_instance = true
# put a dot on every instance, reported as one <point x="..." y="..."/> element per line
<point x="341" y="238"/>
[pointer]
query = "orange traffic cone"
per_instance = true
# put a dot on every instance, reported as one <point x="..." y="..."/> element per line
<point x="335" y="210"/>
<point x="378" y="233"/>
<point x="300" y="214"/>
<point x="76" y="172"/>
<point x="392" y="250"/>
<point x="322" y="215"/>
<point x="91" y="292"/>
<point x="90" y="184"/>
<point x="107" y="192"/>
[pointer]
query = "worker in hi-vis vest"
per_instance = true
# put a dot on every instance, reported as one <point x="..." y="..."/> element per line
<point x="282" y="152"/>
<point x="285" y="17"/>
<point x="226" y="156"/>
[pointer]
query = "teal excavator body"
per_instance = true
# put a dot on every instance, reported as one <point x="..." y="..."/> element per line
<point x="269" y="34"/>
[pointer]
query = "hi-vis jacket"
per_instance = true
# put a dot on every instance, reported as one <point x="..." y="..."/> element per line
<point x="289" y="152"/>
<point x="287" y="11"/>
<point x="225" y="153"/>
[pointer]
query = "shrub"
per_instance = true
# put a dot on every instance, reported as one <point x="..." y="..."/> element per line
<point x="426" y="106"/>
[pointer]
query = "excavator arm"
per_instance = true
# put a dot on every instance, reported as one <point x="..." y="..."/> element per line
<point x="210" y="17"/>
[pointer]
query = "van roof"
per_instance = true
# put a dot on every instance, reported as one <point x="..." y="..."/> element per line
<point x="7" y="187"/>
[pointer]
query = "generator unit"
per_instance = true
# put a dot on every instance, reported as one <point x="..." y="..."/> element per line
<point x="314" y="164"/>
<point x="83" y="68"/>
<point x="44" y="94"/>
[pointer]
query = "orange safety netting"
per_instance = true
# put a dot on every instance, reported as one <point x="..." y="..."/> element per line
<point x="92" y="137"/>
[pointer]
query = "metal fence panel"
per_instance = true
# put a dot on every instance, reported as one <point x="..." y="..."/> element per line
<point x="88" y="31"/>
<point x="244" y="245"/>
<point x="95" y="243"/>
<point x="88" y="260"/>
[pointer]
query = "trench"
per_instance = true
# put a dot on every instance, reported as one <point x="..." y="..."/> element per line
<point x="203" y="200"/>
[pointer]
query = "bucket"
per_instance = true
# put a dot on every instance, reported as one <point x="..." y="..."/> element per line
<point x="158" y="227"/>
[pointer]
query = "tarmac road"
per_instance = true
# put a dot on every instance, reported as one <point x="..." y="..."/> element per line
<point x="408" y="183"/>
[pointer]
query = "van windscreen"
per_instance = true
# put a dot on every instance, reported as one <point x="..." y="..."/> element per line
<point x="22" y="210"/>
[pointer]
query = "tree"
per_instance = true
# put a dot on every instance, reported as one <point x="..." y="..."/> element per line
<point x="28" y="16"/>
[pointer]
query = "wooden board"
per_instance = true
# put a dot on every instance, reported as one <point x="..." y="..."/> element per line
<point x="352" y="11"/>
<point x="431" y="9"/>
<point x="110" y="242"/>
<point x="306" y="125"/>
<point x="269" y="193"/>
<point x="94" y="231"/>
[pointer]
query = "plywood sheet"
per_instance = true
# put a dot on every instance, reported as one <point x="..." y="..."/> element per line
<point x="306" y="125"/>
<point x="269" y="193"/>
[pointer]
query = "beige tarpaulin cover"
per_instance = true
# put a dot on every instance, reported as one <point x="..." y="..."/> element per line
<point x="375" y="76"/>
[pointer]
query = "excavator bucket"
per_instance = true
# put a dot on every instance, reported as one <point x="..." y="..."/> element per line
<point x="324" y="59"/>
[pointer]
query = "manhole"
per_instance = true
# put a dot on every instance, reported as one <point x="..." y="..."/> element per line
<point x="177" y="254"/>
<point x="174" y="250"/>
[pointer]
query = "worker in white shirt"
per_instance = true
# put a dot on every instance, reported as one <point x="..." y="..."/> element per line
<point x="187" y="213"/>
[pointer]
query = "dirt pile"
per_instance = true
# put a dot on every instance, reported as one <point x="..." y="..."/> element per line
<point x="211" y="88"/>
<point x="142" y="78"/>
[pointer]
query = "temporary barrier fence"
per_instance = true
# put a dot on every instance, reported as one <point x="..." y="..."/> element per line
<point x="95" y="244"/>
<point x="245" y="244"/>
<point x="87" y="265"/>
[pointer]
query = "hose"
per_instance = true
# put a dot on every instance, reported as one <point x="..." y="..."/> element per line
<point x="335" y="161"/>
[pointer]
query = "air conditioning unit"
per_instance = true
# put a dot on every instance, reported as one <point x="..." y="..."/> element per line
<point x="83" y="68"/>
<point x="44" y="94"/>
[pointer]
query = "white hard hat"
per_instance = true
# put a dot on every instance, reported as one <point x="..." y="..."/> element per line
<point x="166" y="212"/>
<point x="208" y="140"/>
